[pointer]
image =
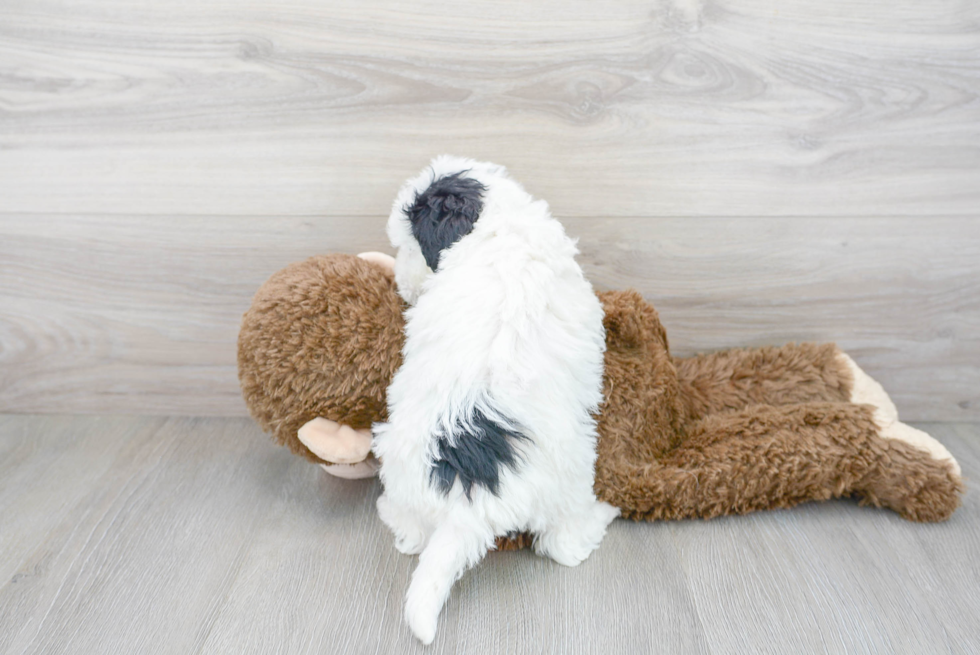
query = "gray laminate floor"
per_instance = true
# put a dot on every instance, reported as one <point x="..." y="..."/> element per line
<point x="182" y="535"/>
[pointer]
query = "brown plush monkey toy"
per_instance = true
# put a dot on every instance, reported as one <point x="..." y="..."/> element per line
<point x="725" y="433"/>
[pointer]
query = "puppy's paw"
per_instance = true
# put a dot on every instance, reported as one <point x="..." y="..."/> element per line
<point x="409" y="535"/>
<point x="410" y="544"/>
<point x="568" y="554"/>
<point x="604" y="514"/>
<point x="572" y="542"/>
<point x="564" y="547"/>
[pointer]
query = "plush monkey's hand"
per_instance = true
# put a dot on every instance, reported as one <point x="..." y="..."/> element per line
<point x="347" y="450"/>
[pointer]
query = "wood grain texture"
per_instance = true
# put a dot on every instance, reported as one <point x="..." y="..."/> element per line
<point x="636" y="108"/>
<point x="157" y="163"/>
<point x="176" y="535"/>
<point x="902" y="296"/>
<point x="140" y="314"/>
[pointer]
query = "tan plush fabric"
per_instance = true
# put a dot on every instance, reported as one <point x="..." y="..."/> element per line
<point x="725" y="433"/>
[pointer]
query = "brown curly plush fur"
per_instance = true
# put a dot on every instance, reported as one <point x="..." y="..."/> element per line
<point x="323" y="338"/>
<point x="726" y="433"/>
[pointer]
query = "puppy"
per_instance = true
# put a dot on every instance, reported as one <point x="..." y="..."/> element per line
<point x="490" y="426"/>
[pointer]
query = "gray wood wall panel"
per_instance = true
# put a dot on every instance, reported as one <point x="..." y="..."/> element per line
<point x="637" y="108"/>
<point x="157" y="163"/>
<point x="152" y="535"/>
<point x="139" y="314"/>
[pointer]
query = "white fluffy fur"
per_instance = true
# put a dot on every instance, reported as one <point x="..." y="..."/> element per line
<point x="508" y="325"/>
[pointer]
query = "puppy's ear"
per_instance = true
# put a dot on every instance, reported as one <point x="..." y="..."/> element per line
<point x="444" y="213"/>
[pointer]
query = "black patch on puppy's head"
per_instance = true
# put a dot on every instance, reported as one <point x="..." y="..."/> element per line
<point x="444" y="213"/>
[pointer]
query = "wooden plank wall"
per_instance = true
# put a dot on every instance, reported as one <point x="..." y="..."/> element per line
<point x="762" y="171"/>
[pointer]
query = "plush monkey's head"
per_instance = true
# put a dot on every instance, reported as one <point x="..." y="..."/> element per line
<point x="322" y="338"/>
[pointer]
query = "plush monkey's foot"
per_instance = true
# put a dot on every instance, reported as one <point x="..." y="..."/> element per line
<point x="379" y="258"/>
<point x="917" y="476"/>
<point x="910" y="481"/>
<point x="921" y="440"/>
<point x="867" y="391"/>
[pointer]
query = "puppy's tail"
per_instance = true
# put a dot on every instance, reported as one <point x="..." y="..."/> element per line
<point x="455" y="545"/>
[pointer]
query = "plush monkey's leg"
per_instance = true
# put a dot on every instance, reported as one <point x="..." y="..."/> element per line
<point x="767" y="457"/>
<point x="784" y="375"/>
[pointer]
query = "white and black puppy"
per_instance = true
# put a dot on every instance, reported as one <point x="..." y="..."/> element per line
<point x="490" y="427"/>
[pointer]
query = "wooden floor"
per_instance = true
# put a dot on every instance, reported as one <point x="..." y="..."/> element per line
<point x="197" y="535"/>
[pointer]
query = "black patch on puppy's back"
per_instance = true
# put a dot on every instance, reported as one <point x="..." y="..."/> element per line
<point x="476" y="457"/>
<point x="444" y="213"/>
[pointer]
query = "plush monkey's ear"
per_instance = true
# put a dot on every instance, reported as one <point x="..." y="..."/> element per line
<point x="444" y="213"/>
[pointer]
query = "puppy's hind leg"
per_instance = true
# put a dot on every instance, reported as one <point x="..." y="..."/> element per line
<point x="408" y="529"/>
<point x="573" y="538"/>
<point x="455" y="545"/>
